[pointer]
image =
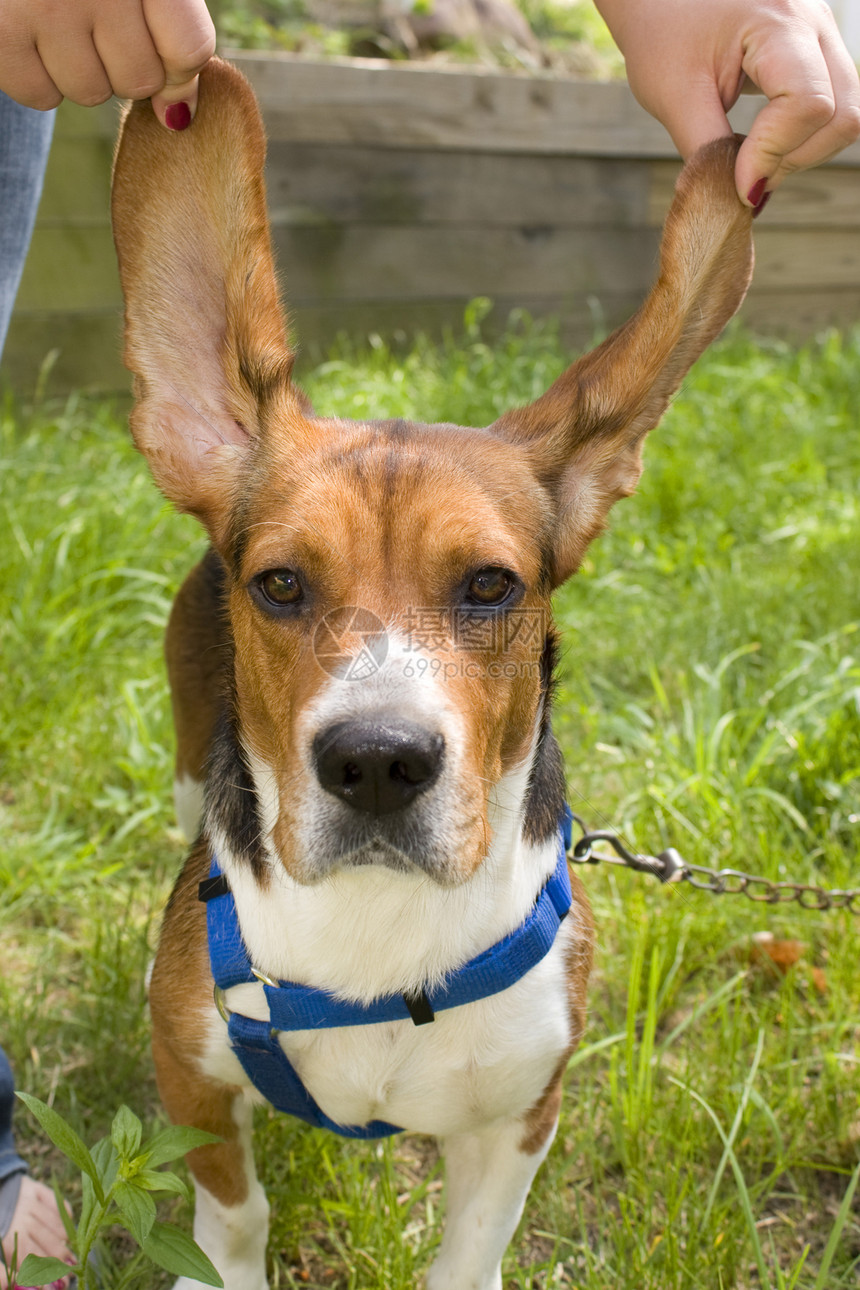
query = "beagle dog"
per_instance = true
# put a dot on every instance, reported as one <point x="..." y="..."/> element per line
<point x="375" y="929"/>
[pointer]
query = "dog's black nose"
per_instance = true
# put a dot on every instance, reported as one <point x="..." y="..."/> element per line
<point x="377" y="765"/>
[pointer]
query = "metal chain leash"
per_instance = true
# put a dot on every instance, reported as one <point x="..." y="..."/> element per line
<point x="670" y="866"/>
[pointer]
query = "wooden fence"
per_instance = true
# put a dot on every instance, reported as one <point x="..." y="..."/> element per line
<point x="397" y="194"/>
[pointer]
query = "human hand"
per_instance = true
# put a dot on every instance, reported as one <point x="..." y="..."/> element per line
<point x="687" y="62"/>
<point x="87" y="50"/>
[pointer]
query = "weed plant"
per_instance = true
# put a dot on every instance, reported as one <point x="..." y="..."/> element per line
<point x="709" y="699"/>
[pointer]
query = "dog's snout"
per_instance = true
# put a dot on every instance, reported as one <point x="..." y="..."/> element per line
<point x="377" y="765"/>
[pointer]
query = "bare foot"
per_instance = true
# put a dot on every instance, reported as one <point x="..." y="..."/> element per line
<point x="37" y="1224"/>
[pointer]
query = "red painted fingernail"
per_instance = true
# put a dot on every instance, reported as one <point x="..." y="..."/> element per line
<point x="757" y="210"/>
<point x="756" y="193"/>
<point x="177" y="116"/>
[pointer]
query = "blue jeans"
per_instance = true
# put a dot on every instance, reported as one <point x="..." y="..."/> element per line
<point x="10" y="1161"/>
<point x="25" y="137"/>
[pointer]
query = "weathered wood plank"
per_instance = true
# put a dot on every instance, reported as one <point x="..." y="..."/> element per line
<point x="75" y="122"/>
<point x="786" y="258"/>
<point x="334" y="183"/>
<point x="77" y="181"/>
<point x="89" y="349"/>
<point x="401" y="193"/>
<point x="89" y="344"/>
<point x="582" y="322"/>
<point x="793" y="314"/>
<point x="827" y="197"/>
<point x="359" y="262"/>
<point x="70" y="267"/>
<point x="800" y="314"/>
<point x="389" y="105"/>
<point x="454" y="107"/>
<point x="396" y="261"/>
<point x="376" y="103"/>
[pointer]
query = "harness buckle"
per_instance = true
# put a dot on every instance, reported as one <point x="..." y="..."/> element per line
<point x="213" y="887"/>
<point x="220" y="1003"/>
<point x="420" y="1008"/>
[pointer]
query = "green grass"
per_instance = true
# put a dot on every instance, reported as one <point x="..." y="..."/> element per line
<point x="709" y="699"/>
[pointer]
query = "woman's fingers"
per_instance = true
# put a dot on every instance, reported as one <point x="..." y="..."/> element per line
<point x="87" y="50"/>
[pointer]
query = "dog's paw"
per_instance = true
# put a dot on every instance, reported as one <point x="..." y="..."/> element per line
<point x="443" y="1275"/>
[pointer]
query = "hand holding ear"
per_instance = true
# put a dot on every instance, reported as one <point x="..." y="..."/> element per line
<point x="87" y="50"/>
<point x="688" y="60"/>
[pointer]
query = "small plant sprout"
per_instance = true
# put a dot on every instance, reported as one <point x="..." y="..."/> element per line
<point x="120" y="1178"/>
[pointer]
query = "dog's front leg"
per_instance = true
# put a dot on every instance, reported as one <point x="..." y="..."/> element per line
<point x="231" y="1213"/>
<point x="232" y="1234"/>
<point x="488" y="1174"/>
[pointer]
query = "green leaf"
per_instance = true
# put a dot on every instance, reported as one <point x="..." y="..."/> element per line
<point x="106" y="1162"/>
<point x="836" y="1232"/>
<point x="126" y="1132"/>
<point x="137" y="1208"/>
<point x="88" y="1211"/>
<point x="63" y="1136"/>
<point x="173" y="1250"/>
<point x="161" y="1180"/>
<point x="63" y="1211"/>
<point x="38" y="1271"/>
<point x="174" y="1142"/>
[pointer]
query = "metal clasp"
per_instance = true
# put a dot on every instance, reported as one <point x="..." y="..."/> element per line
<point x="220" y="1004"/>
<point x="668" y="866"/>
<point x="674" y="865"/>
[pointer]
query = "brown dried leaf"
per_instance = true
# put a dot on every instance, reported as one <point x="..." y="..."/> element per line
<point x="765" y="948"/>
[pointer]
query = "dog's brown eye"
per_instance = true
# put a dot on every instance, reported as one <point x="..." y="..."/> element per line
<point x="490" y="587"/>
<point x="280" y="587"/>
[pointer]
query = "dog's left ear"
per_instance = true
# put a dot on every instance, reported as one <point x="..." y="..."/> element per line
<point x="585" y="435"/>
<point x="204" y="330"/>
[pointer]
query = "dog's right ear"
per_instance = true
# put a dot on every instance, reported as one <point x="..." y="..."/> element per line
<point x="204" y="331"/>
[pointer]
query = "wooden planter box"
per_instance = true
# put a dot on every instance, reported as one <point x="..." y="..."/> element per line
<point x="399" y="193"/>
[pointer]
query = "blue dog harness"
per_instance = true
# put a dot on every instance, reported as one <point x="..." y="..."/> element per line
<point x="300" y="1007"/>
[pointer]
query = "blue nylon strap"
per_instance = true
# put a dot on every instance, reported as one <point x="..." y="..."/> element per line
<point x="566" y="826"/>
<point x="273" y="1074"/>
<point x="228" y="957"/>
<point x="298" y="1007"/>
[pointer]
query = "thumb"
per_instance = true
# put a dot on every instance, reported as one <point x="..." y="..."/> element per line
<point x="184" y="36"/>
<point x="175" y="105"/>
<point x="694" y="119"/>
<point x="780" y="127"/>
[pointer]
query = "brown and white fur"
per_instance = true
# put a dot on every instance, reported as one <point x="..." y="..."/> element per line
<point x="388" y="516"/>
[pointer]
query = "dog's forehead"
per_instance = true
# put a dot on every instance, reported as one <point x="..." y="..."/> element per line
<point x="433" y="489"/>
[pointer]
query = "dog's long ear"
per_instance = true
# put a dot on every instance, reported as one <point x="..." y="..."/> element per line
<point x="204" y="332"/>
<point x="585" y="434"/>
